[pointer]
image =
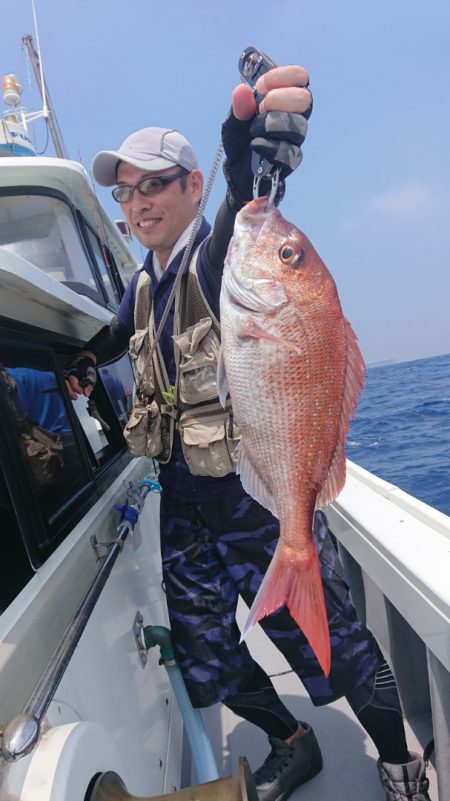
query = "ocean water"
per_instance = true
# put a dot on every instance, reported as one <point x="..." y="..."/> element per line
<point x="401" y="430"/>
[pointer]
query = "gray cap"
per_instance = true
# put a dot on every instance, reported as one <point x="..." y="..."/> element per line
<point x="150" y="149"/>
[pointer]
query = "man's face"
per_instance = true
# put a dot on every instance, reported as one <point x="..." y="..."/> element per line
<point x="158" y="221"/>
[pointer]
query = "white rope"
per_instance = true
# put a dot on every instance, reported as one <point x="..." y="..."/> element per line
<point x="196" y="225"/>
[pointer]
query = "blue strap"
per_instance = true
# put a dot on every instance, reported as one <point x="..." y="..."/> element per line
<point x="127" y="513"/>
<point x="155" y="486"/>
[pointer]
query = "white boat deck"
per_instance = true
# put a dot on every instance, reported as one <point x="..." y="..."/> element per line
<point x="349" y="772"/>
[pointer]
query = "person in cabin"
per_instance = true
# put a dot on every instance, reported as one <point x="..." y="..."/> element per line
<point x="39" y="398"/>
<point x="216" y="541"/>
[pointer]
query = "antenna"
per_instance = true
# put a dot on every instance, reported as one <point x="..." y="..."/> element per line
<point x="47" y="110"/>
<point x="41" y="81"/>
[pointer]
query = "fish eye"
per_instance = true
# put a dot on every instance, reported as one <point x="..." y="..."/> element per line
<point x="291" y="256"/>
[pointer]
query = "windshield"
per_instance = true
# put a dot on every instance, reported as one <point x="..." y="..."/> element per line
<point x="42" y="230"/>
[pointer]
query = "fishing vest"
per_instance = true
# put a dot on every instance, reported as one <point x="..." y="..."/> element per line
<point x="208" y="433"/>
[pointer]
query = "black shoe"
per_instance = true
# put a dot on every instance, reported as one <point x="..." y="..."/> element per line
<point x="405" y="781"/>
<point x="288" y="766"/>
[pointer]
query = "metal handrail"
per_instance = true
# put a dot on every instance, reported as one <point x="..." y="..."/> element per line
<point x="22" y="734"/>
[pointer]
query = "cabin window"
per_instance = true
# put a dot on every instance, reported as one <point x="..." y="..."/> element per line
<point x="48" y="443"/>
<point x="58" y="455"/>
<point x="41" y="230"/>
<point x="101" y="256"/>
<point x="117" y="381"/>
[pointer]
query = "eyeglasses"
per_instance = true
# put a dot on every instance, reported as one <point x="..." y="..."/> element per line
<point x="147" y="187"/>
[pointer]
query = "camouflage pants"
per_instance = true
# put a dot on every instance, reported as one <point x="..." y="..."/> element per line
<point x="214" y="552"/>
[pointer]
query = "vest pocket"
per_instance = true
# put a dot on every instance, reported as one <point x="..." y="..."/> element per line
<point x="139" y="350"/>
<point x="199" y="346"/>
<point x="142" y="433"/>
<point x="209" y="447"/>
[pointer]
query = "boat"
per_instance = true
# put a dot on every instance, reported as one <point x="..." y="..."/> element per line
<point x="66" y="688"/>
<point x="91" y="704"/>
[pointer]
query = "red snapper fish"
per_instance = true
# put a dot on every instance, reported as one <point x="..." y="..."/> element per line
<point x="291" y="364"/>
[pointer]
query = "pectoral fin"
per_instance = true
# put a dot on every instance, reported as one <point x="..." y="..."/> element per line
<point x="247" y="326"/>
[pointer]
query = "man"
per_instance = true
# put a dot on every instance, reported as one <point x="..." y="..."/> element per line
<point x="216" y="541"/>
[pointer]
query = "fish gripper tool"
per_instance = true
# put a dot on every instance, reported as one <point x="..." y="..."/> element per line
<point x="252" y="64"/>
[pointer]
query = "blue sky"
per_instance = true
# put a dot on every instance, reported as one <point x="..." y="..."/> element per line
<point x="373" y="191"/>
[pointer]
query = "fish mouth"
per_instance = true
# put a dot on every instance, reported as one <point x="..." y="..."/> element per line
<point x="257" y="206"/>
<point x="253" y="218"/>
<point x="254" y="214"/>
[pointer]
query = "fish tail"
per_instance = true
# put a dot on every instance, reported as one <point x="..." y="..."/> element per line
<point x="297" y="583"/>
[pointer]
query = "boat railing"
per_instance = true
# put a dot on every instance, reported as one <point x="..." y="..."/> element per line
<point x="21" y="735"/>
<point x="396" y="552"/>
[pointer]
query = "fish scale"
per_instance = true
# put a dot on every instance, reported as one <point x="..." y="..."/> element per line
<point x="291" y="364"/>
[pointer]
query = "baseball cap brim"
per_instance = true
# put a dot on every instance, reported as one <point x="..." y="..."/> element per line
<point x="104" y="165"/>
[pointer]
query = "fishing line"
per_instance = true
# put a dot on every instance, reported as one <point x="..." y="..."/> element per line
<point x="195" y="226"/>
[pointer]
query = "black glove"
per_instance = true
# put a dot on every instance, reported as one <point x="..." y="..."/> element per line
<point x="83" y="368"/>
<point x="276" y="136"/>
